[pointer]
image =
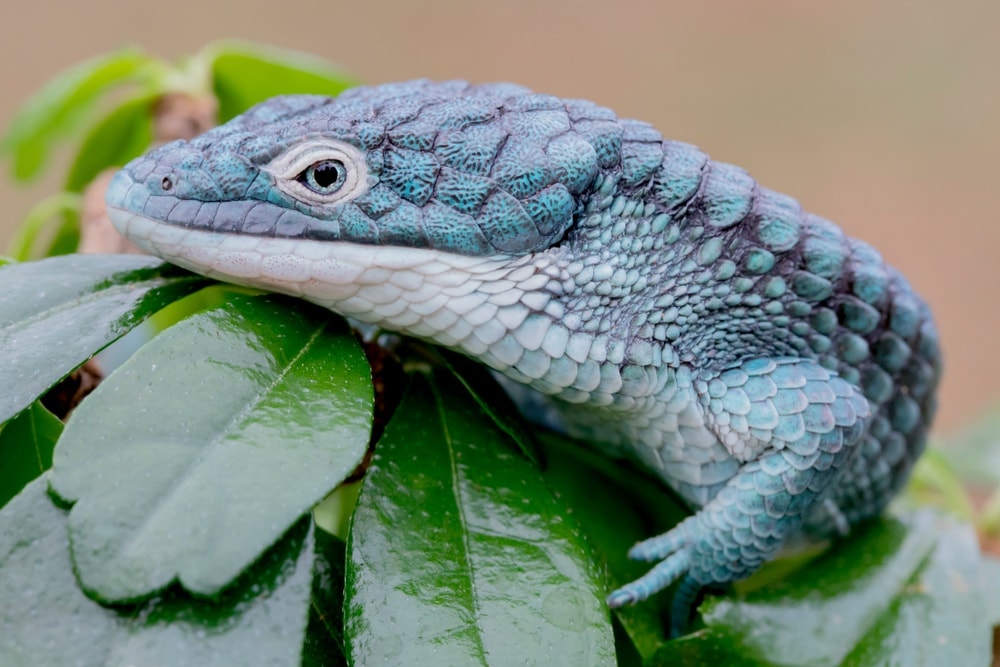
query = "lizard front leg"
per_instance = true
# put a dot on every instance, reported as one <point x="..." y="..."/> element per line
<point x="795" y="424"/>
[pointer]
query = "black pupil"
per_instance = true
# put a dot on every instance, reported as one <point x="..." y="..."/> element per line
<point x="328" y="173"/>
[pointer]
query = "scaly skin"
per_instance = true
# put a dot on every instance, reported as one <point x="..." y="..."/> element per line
<point x="774" y="372"/>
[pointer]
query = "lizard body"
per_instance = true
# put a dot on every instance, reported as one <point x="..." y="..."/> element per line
<point x="776" y="373"/>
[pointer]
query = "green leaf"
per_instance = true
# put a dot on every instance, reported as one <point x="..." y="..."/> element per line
<point x="899" y="590"/>
<point x="58" y="107"/>
<point x="492" y="399"/>
<point x="117" y="138"/>
<point x="46" y="211"/>
<point x="617" y="505"/>
<point x="26" y="444"/>
<point x="938" y="617"/>
<point x="46" y="620"/>
<point x="245" y="74"/>
<point x="200" y="451"/>
<point x="324" y="646"/>
<point x="56" y="313"/>
<point x="459" y="554"/>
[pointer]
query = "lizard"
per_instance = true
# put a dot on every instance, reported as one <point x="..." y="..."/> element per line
<point x="774" y="372"/>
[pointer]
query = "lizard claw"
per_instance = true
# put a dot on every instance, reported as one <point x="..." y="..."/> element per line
<point x="621" y="597"/>
<point x="662" y="575"/>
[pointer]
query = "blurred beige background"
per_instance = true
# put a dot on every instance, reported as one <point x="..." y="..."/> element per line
<point x="884" y="117"/>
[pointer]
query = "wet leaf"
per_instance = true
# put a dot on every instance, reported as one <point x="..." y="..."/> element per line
<point x="206" y="445"/>
<point x="492" y="399"/>
<point x="459" y="553"/>
<point x="56" y="313"/>
<point x="937" y="618"/>
<point x="617" y="506"/>
<point x="46" y="620"/>
<point x="901" y="592"/>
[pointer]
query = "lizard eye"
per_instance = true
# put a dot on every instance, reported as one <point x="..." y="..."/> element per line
<point x="324" y="177"/>
<point x="320" y="171"/>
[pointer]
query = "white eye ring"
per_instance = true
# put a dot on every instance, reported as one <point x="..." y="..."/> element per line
<point x="288" y="168"/>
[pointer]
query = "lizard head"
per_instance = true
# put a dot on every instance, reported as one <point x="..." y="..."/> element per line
<point x="470" y="170"/>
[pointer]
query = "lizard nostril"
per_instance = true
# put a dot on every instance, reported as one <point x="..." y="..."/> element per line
<point x="167" y="184"/>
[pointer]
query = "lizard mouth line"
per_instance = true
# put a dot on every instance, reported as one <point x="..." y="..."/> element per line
<point x="405" y="287"/>
<point x="249" y="257"/>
